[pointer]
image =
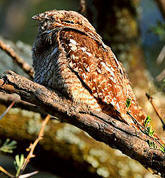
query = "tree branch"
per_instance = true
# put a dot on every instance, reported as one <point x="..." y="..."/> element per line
<point x="7" y="99"/>
<point x="161" y="5"/>
<point x="100" y="126"/>
<point x="17" y="59"/>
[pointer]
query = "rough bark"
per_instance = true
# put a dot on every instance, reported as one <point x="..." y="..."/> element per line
<point x="103" y="128"/>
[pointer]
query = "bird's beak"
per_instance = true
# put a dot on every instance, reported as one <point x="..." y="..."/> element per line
<point x="37" y="17"/>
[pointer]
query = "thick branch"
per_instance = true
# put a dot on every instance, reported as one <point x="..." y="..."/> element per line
<point x="100" y="126"/>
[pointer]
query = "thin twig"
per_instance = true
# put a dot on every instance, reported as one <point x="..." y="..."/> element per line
<point x="150" y="99"/>
<point x="28" y="174"/>
<point x="7" y="110"/>
<point x="6" y="172"/>
<point x="16" y="58"/>
<point x="161" y="5"/>
<point x="161" y="76"/>
<point x="32" y="146"/>
<point x="82" y="6"/>
<point x="161" y="56"/>
<point x="6" y="99"/>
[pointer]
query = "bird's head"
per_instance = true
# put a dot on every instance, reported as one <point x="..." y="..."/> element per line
<point x="61" y="18"/>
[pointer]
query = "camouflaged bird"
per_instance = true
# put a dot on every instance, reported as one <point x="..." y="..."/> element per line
<point x="69" y="56"/>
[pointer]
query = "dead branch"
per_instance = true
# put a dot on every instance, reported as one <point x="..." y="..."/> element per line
<point x="21" y="176"/>
<point x="82" y="7"/>
<point x="161" y="76"/>
<point x="32" y="146"/>
<point x="161" y="5"/>
<point x="7" y="110"/>
<point x="6" y="172"/>
<point x="7" y="99"/>
<point x="100" y="126"/>
<point x="161" y="56"/>
<point x="17" y="59"/>
<point x="155" y="109"/>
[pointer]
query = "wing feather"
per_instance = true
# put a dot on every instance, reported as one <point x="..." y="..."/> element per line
<point x="100" y="72"/>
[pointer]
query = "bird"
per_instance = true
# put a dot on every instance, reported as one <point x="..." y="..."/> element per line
<point x="71" y="57"/>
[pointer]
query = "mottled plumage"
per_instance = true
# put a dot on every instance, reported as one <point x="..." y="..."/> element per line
<point x="68" y="55"/>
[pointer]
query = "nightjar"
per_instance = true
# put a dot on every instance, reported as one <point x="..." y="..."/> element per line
<point x="69" y="56"/>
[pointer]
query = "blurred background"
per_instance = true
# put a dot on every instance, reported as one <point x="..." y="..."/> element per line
<point x="135" y="30"/>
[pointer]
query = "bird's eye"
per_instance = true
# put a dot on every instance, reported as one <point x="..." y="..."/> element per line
<point x="67" y="21"/>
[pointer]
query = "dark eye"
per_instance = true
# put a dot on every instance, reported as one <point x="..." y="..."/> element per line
<point x="67" y="21"/>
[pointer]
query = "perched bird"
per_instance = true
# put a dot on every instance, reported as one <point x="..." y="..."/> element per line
<point x="69" y="56"/>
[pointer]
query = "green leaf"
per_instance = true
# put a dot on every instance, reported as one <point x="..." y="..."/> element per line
<point x="147" y="121"/>
<point x="159" y="30"/>
<point x="8" y="146"/>
<point x="19" y="160"/>
<point x="162" y="148"/>
<point x="151" y="144"/>
<point x="149" y="131"/>
<point x="128" y="102"/>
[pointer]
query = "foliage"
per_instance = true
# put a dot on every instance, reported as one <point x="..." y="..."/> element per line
<point x="159" y="30"/>
<point x="162" y="148"/>
<point x="151" y="144"/>
<point x="19" y="161"/>
<point x="147" y="121"/>
<point x="128" y="102"/>
<point x="149" y="131"/>
<point x="8" y="146"/>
